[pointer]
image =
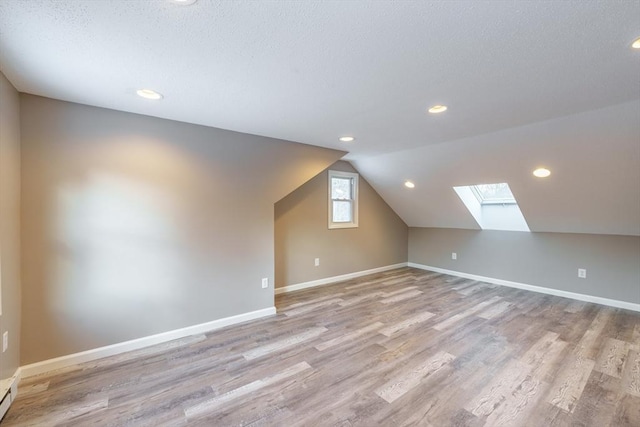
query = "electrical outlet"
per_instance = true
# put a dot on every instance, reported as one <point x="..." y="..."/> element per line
<point x="265" y="282"/>
<point x="317" y="262"/>
<point x="454" y="255"/>
<point x="582" y="273"/>
<point x="5" y="341"/>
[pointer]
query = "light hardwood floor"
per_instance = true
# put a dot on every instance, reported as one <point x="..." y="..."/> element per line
<point x="404" y="347"/>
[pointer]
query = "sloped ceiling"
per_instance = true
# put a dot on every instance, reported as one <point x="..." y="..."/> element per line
<point x="527" y="83"/>
<point x="594" y="187"/>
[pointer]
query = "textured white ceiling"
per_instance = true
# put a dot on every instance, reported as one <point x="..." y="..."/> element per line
<point x="310" y="71"/>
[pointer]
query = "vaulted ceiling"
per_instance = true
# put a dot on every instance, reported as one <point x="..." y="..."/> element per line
<point x="526" y="84"/>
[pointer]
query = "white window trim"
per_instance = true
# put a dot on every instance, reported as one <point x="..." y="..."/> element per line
<point x="356" y="185"/>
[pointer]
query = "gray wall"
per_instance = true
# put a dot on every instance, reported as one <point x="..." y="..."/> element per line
<point x="133" y="225"/>
<point x="10" y="224"/>
<point x="550" y="260"/>
<point x="302" y="234"/>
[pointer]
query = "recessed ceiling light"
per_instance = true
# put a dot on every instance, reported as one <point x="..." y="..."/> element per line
<point x="347" y="138"/>
<point x="409" y="184"/>
<point x="183" y="2"/>
<point x="542" y="172"/>
<point x="438" y="109"/>
<point x="636" y="44"/>
<point x="149" y="94"/>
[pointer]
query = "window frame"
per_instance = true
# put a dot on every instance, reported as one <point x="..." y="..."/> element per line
<point x="354" y="177"/>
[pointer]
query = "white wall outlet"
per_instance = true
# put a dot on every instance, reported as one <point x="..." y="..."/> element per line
<point x="454" y="255"/>
<point x="5" y="341"/>
<point x="582" y="273"/>
<point x="265" y="282"/>
<point x="317" y="262"/>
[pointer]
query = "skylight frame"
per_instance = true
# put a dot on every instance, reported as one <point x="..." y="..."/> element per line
<point x="493" y="201"/>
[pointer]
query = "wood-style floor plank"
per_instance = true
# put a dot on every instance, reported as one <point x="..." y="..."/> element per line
<point x="211" y="404"/>
<point x="407" y="323"/>
<point x="631" y="374"/>
<point x="612" y="357"/>
<point x="571" y="381"/>
<point x="404" y="347"/>
<point x="457" y="317"/>
<point x="401" y="296"/>
<point x="284" y="343"/>
<point x="349" y="337"/>
<point x="397" y="387"/>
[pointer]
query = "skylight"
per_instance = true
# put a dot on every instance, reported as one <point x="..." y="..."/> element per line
<point x="493" y="193"/>
<point x="493" y="206"/>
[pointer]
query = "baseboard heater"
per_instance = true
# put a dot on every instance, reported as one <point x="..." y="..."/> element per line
<point x="8" y="393"/>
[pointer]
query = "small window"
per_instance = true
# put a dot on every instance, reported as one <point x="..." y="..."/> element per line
<point x="343" y="199"/>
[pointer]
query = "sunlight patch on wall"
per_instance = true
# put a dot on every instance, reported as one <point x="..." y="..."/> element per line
<point x="119" y="247"/>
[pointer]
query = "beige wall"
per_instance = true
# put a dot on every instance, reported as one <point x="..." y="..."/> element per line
<point x="10" y="225"/>
<point x="133" y="225"/>
<point x="550" y="260"/>
<point x="302" y="234"/>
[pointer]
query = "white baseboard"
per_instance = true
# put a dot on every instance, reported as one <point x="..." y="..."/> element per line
<point x="334" y="279"/>
<point x="581" y="297"/>
<point x="110" y="350"/>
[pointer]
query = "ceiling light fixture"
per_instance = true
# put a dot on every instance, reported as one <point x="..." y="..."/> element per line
<point x="149" y="94"/>
<point x="541" y="172"/>
<point x="347" y="139"/>
<point x="438" y="109"/>
<point x="183" y="2"/>
<point x="636" y="43"/>
<point x="409" y="184"/>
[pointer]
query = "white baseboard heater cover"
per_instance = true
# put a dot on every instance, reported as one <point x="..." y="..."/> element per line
<point x="8" y="393"/>
<point x="5" y="403"/>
